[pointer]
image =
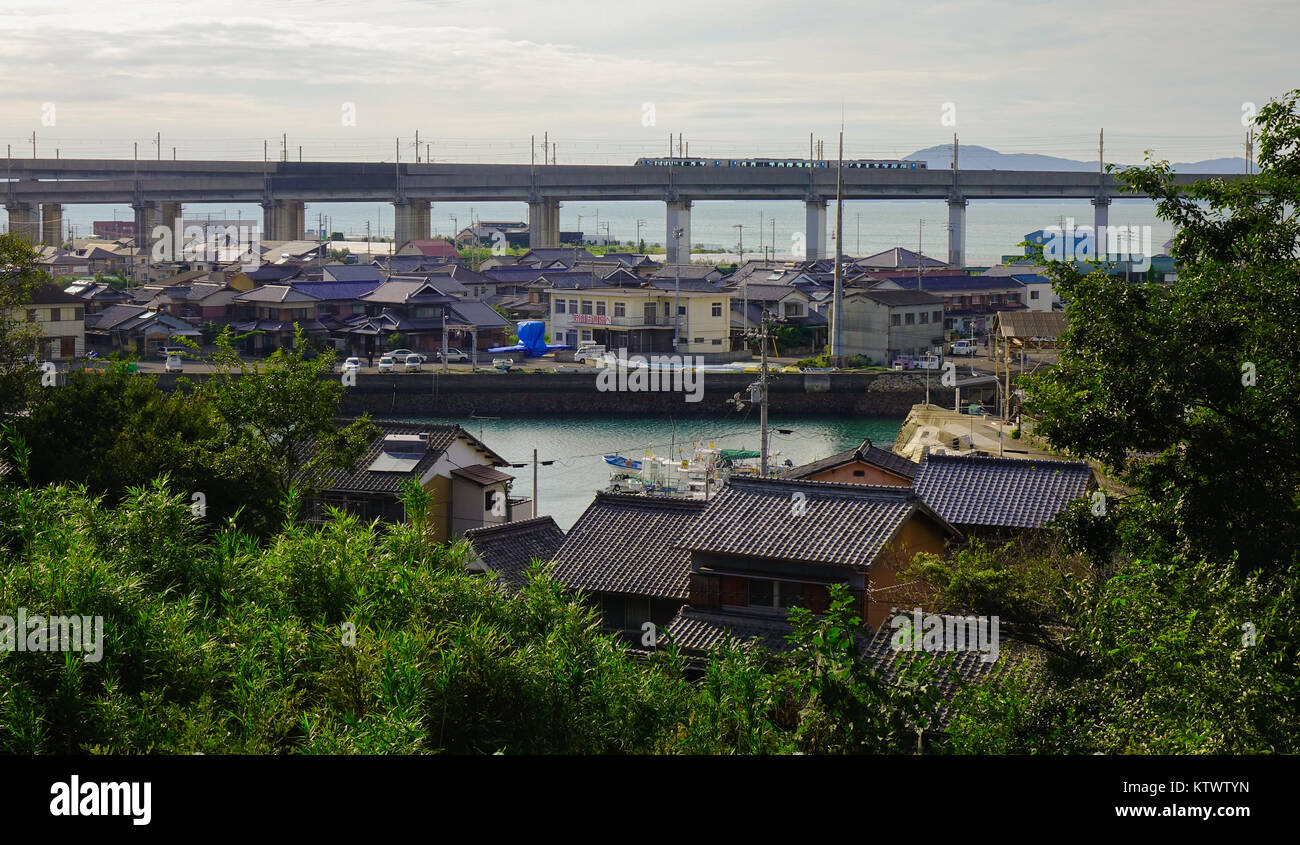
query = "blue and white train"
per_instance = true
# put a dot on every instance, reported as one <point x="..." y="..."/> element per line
<point x="870" y="163"/>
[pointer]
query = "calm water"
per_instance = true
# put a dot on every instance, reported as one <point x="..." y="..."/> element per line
<point x="993" y="227"/>
<point x="567" y="487"/>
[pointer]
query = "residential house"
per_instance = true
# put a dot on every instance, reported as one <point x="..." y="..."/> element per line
<point x="507" y="551"/>
<point x="640" y="318"/>
<point x="1000" y="497"/>
<point x="884" y="325"/>
<point x="969" y="302"/>
<point x="765" y="545"/>
<point x="456" y="468"/>
<point x="623" y="554"/>
<point x="864" y="464"/>
<point x="135" y="329"/>
<point x="269" y="312"/>
<point x="435" y="248"/>
<point x="60" y="318"/>
<point x="96" y="295"/>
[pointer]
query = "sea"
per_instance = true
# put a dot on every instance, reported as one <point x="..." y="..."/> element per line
<point x="994" y="228"/>
<point x="576" y="447"/>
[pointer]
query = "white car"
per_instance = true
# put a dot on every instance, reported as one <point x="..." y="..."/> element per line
<point x="454" y="356"/>
<point x="386" y="364"/>
<point x="173" y="364"/>
<point x="412" y="363"/>
<point x="963" y="347"/>
<point x="352" y="364"/>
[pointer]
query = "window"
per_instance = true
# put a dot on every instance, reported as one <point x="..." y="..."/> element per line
<point x="699" y="340"/>
<point x="586" y="306"/>
<point x="717" y="309"/>
<point x="925" y="316"/>
<point x="895" y="319"/>
<point x="573" y="306"/>
<point x="859" y="473"/>
<point x="681" y="310"/>
<point x="717" y="341"/>
<point x="559" y="306"/>
<point x="668" y="310"/>
<point x="54" y="315"/>
<point x="937" y="316"/>
<point x="620" y="309"/>
<point x="1033" y="294"/>
<point x="909" y="318"/>
<point x="31" y="315"/>
<point x="775" y="594"/>
<point x="600" y="307"/>
<point x="489" y="499"/>
<point x="586" y="334"/>
<point x="793" y="309"/>
<point x="762" y="593"/>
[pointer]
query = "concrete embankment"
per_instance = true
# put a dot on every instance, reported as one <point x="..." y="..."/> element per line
<point x="552" y="394"/>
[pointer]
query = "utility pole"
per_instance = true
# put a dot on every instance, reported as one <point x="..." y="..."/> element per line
<point x="677" y="294"/>
<point x="762" y="382"/>
<point x="919" y="224"/>
<point x="837" y="331"/>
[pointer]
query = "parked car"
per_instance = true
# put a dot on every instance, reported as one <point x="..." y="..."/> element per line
<point x="454" y="356"/>
<point x="352" y="364"/>
<point x="402" y="354"/>
<point x="173" y="364"/>
<point x="413" y="362"/>
<point x="386" y="364"/>
<point x="962" y="347"/>
<point x="169" y="351"/>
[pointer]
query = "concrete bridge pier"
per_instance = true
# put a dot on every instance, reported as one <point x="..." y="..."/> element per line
<point x="957" y="231"/>
<point x="172" y="214"/>
<point x="22" y="222"/>
<point x="678" y="248"/>
<point x="52" y="223"/>
<point x="1100" y="221"/>
<point x="815" y="228"/>
<point x="282" y="220"/>
<point x="412" y="220"/>
<point x="543" y="224"/>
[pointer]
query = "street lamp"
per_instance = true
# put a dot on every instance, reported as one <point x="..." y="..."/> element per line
<point x="639" y="224"/>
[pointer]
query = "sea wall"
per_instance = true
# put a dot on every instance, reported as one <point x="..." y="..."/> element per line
<point x="550" y="394"/>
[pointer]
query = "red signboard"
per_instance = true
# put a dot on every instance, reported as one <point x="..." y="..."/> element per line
<point x="591" y="318"/>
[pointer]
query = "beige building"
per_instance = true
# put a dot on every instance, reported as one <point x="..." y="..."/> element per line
<point x="62" y="323"/>
<point x="640" y="319"/>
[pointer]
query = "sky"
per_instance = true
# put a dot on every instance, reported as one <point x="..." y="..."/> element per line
<point x="609" y="81"/>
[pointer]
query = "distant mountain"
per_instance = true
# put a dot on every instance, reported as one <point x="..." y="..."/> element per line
<point x="983" y="158"/>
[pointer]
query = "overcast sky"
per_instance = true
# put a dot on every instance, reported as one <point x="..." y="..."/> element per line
<point x="609" y="80"/>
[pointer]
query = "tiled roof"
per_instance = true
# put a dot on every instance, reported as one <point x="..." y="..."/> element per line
<point x="899" y="298"/>
<point x="477" y="314"/>
<point x="845" y="524"/>
<point x="337" y="290"/>
<point x="353" y="272"/>
<point x="362" y="479"/>
<point x="482" y="474"/>
<point x="932" y="282"/>
<point x="50" y="294"/>
<point x="509" y="549"/>
<point x="695" y="629"/>
<point x="625" y="543"/>
<point x="999" y="492"/>
<point x="867" y="453"/>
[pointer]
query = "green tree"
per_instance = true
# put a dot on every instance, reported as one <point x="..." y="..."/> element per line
<point x="281" y="414"/>
<point x="19" y="278"/>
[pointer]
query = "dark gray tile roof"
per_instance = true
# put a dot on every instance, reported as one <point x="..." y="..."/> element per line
<point x="867" y="453"/>
<point x="999" y="492"/>
<point x="694" y="629"/>
<point x="626" y="543"/>
<point x="509" y="549"/>
<point x="845" y="524"/>
<point x="360" y="479"/>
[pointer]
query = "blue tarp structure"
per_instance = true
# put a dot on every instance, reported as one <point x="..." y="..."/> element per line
<point x="532" y="340"/>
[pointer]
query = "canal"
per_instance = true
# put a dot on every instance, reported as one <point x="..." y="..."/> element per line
<point x="566" y="487"/>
